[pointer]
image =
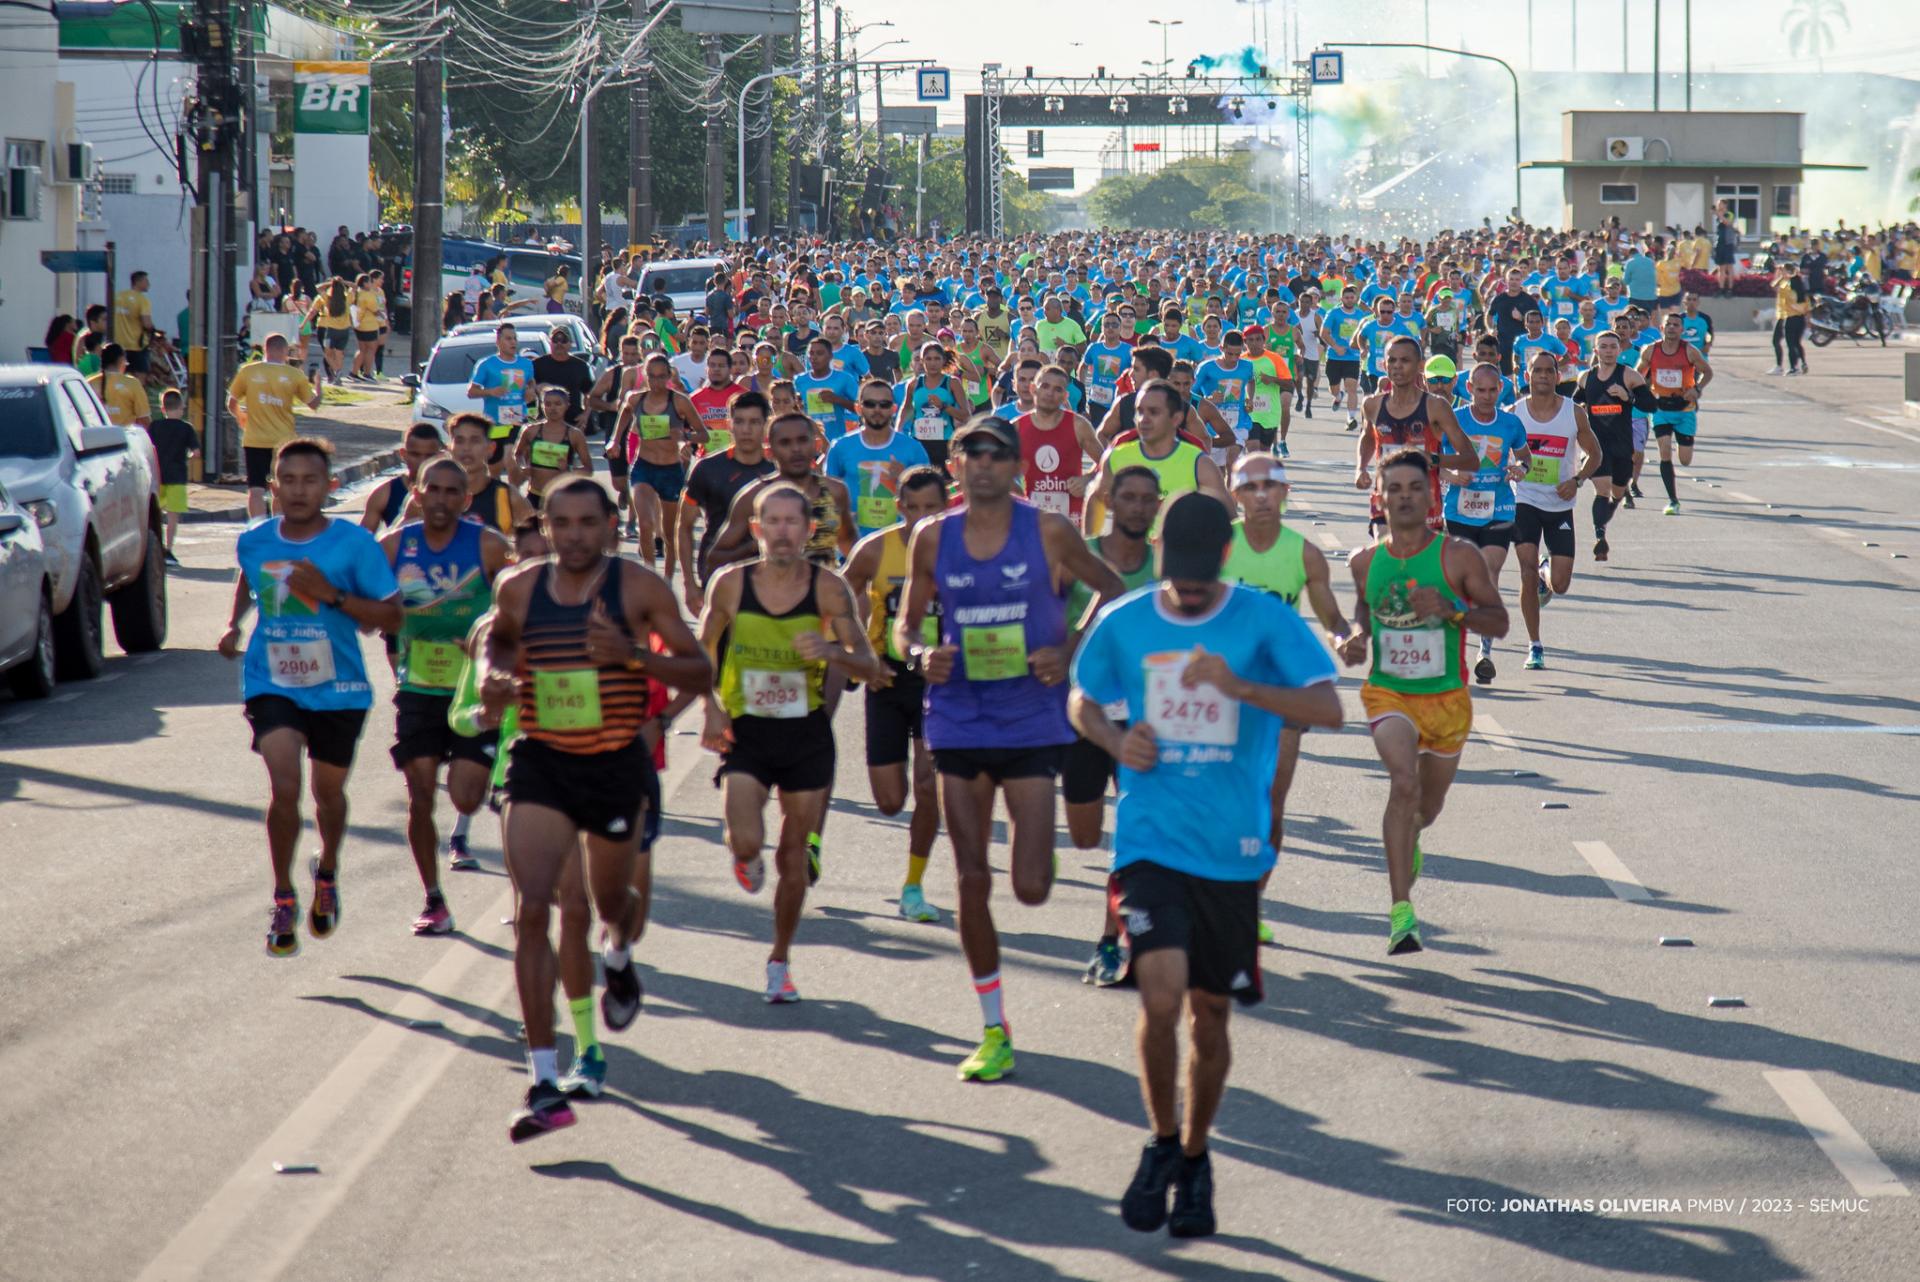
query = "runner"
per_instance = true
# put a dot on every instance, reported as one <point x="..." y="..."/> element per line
<point x="1406" y="414"/>
<point x="996" y="697"/>
<point x="1270" y="400"/>
<point x="1337" y="331"/>
<point x="317" y="581"/>
<point x="1479" y="505"/>
<point x="1208" y="673"/>
<point x="1679" y="373"/>
<point x="445" y="568"/>
<point x="655" y="421"/>
<point x="932" y="403"/>
<point x="712" y="486"/>
<point x="790" y="442"/>
<point x="503" y="384"/>
<point x="877" y="575"/>
<point x="1159" y="411"/>
<point x="494" y="502"/>
<point x="1088" y="769"/>
<point x="767" y="625"/>
<point x="564" y="643"/>
<point x="551" y="448"/>
<point x="1056" y="446"/>
<point x="387" y="501"/>
<point x="1418" y="593"/>
<point x="714" y="399"/>
<point x="1609" y="394"/>
<point x="828" y="394"/>
<point x="1543" y="496"/>
<point x="870" y="462"/>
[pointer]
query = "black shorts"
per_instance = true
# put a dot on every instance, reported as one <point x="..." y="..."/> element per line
<point x="793" y="754"/>
<point x="1616" y="450"/>
<point x="367" y="337"/>
<point x="894" y="717"/>
<point x="603" y="793"/>
<point x="1085" y="774"/>
<point x="1338" y="371"/>
<point x="1483" y="536"/>
<point x="1532" y="527"/>
<point x="331" y="735"/>
<point x="1262" y="438"/>
<point x="666" y="480"/>
<point x="936" y="453"/>
<point x="259" y="465"/>
<point x="420" y="730"/>
<point x="1216" y="923"/>
<point x="1000" y="764"/>
<point x="1369" y="383"/>
<point x="1310" y="366"/>
<point x="336" y="338"/>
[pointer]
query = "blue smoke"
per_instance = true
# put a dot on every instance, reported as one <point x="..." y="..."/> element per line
<point x="1244" y="62"/>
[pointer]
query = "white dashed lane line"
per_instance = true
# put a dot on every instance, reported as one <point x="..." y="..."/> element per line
<point x="1608" y="868"/>
<point x="1850" y="1154"/>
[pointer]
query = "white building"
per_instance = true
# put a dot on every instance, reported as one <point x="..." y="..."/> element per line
<point x="38" y="211"/>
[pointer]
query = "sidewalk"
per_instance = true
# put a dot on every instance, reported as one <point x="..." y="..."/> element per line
<point x="1842" y="377"/>
<point x="366" y="437"/>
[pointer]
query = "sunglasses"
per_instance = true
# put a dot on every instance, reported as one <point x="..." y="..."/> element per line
<point x="993" y="450"/>
<point x="876" y="405"/>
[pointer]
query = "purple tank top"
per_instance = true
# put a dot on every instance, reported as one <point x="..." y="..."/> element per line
<point x="997" y="611"/>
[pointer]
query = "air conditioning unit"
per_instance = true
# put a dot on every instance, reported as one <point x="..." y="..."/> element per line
<point x="21" y="199"/>
<point x="1624" y="150"/>
<point x="73" y="163"/>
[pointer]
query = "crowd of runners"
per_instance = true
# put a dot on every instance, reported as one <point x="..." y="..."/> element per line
<point x="1026" y="502"/>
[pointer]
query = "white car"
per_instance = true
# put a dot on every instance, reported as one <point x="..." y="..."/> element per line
<point x="93" y="489"/>
<point x="684" y="280"/>
<point x="441" y="391"/>
<point x="26" y="604"/>
<point x="586" y="343"/>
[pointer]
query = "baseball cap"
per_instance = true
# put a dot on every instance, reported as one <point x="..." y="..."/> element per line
<point x="989" y="425"/>
<point x="1441" y="367"/>
<point x="1251" y="330"/>
<point x="1194" y="535"/>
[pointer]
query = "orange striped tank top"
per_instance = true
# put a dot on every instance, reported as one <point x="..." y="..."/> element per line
<point x="566" y="701"/>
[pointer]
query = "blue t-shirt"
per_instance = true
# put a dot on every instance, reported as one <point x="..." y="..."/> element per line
<point x="1642" y="280"/>
<point x="1524" y="348"/>
<point x="862" y="469"/>
<point x="1342" y="326"/>
<point x="1489" y="500"/>
<point x="517" y="374"/>
<point x="303" y="650"/>
<point x="1377" y="337"/>
<point x="1563" y="296"/>
<point x="1206" y="807"/>
<point x="817" y="407"/>
<point x="1226" y="388"/>
<point x="1105" y="364"/>
<point x="851" y="359"/>
<point x="1696" y="329"/>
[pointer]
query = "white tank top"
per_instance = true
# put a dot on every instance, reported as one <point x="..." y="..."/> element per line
<point x="1554" y="446"/>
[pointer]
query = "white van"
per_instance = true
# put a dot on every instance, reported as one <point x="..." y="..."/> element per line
<point x="684" y="280"/>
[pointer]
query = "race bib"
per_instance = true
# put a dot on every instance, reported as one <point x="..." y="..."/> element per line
<point x="1053" y="501"/>
<point x="876" y="511"/>
<point x="781" y="695"/>
<point x="434" y="663"/>
<point x="719" y="440"/>
<point x="1260" y="402"/>
<point x="567" y="698"/>
<point x="930" y="427"/>
<point x="1201" y="715"/>
<point x="1667" y="376"/>
<point x="994" y="653"/>
<point x="1543" y="469"/>
<point x="513" y="415"/>
<point x="551" y="455"/>
<point x="654" y="427"/>
<point x="300" y="664"/>
<point x="817" y="402"/>
<point x="1474" y="505"/>
<point x="1413" y="655"/>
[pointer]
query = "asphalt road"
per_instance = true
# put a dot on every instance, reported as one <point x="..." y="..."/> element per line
<point x="1728" y="720"/>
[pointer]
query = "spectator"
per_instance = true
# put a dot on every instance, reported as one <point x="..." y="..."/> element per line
<point x="1726" y="243"/>
<point x="60" y="339"/>
<point x="262" y="396"/>
<point x="454" y="312"/>
<point x="122" y="393"/>
<point x="88" y="361"/>
<point x="174" y="442"/>
<point x="133" y="321"/>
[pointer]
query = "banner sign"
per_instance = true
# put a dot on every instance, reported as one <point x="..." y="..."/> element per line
<point x="331" y="98"/>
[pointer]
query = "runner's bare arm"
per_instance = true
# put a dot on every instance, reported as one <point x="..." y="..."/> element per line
<point x="649" y="606"/>
<point x="229" y="645"/>
<point x="1110" y="426"/>
<point x="579" y="459"/>
<point x="1320" y="594"/>
<point x="854" y="653"/>
<point x="690" y="420"/>
<point x="1207" y="476"/>
<point x="689" y="512"/>
<point x="496" y="638"/>
<point x="1096" y="498"/>
<point x="1074" y="559"/>
<point x="860" y="567"/>
<point x="735" y="540"/>
<point x="1703" y="372"/>
<point x="1466" y="569"/>
<point x="922" y="554"/>
<point x="843" y="504"/>
<point x="723" y="598"/>
<point x="1355" y="649"/>
<point x="1090" y="443"/>
<point x="496" y="554"/>
<point x="1438" y="411"/>
<point x="1311" y="705"/>
<point x="376" y="504"/>
<point x="1589" y="443"/>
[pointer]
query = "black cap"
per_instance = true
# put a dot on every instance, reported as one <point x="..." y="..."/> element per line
<point x="1194" y="535"/>
<point x="989" y="425"/>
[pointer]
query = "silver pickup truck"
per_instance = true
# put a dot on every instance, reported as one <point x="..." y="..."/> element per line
<point x="93" y="489"/>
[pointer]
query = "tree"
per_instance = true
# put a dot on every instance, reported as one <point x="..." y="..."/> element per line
<point x="1810" y="24"/>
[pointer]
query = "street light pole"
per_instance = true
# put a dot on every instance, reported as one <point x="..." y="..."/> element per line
<point x="1458" y="53"/>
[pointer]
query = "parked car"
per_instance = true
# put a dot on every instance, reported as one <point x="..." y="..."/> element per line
<point x="586" y="344"/>
<point x="92" y="488"/>
<point x="684" y="280"/>
<point x="26" y="603"/>
<point x="441" y="391"/>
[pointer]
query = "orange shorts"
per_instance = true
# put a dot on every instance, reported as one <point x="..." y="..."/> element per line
<point x="1444" y="720"/>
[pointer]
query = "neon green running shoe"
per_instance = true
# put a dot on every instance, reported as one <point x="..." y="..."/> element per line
<point x="992" y="1060"/>
<point x="914" y="905"/>
<point x="1403" y="933"/>
<point x="1418" y="858"/>
<point x="813" y="859"/>
<point x="1266" y="933"/>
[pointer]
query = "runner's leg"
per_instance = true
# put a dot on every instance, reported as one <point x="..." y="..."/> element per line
<point x="1398" y="743"/>
<point x="1030" y="816"/>
<point x="1162" y="979"/>
<point x="1207" y="1015"/>
<point x="282" y="750"/>
<point x="423" y="839"/>
<point x="799" y="816"/>
<point x="540" y="843"/>
<point x="329" y="785"/>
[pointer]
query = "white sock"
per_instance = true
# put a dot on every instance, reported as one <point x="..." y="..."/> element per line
<point x="542" y="1065"/>
<point x="987" y="989"/>
<point x="460" y="824"/>
<point x="1486" y="645"/>
<point x="615" y="958"/>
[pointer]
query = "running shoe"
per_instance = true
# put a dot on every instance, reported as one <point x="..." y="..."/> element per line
<point x="282" y="939"/>
<point x="751" y="875"/>
<point x="1796" y="372"/>
<point x="171" y="558"/>
<point x="780" y="989"/>
<point x="1353" y="424"/>
<point x="587" y="1078"/>
<point x="620" y="999"/>
<point x="1266" y="934"/>
<point x="1104" y="970"/>
<point x="1309" y="411"/>
<point x="1483" y="671"/>
<point x="1672" y="509"/>
<point x="991" y="1060"/>
<point x="1545" y="592"/>
<point x="1536" y="658"/>
<point x="435" y="919"/>
<point x="1143" y="1207"/>
<point x="1600" y="548"/>
<point x="813" y="859"/>
<point x="1633" y="490"/>
<point x="914" y="905"/>
<point x="1282" y="447"/>
<point x="1776" y="370"/>
<point x="324" y="915"/>
<point x="546" y="1110"/>
<point x="1403" y="934"/>
<point x="1629" y="499"/>
<point x="1193" y="1198"/>
<point x="459" y="858"/>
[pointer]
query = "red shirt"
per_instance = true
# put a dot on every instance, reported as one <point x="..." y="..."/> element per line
<point x="711" y="403"/>
<point x="1052" y="457"/>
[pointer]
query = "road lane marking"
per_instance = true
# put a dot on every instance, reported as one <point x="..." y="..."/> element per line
<point x="1890" y="431"/>
<point x="1763" y="728"/>
<point x="1493" y="732"/>
<point x="105" y="677"/>
<point x="145" y="659"/>
<point x="1607" y="867"/>
<point x="66" y="697"/>
<point x="288" y="1224"/>
<point x="1850" y="1154"/>
<point x="1329" y="540"/>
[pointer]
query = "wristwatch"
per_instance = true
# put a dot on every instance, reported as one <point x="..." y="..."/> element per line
<point x="339" y="599"/>
<point x="636" y="658"/>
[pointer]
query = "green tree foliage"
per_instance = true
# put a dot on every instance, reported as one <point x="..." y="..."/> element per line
<point x="1198" y="191"/>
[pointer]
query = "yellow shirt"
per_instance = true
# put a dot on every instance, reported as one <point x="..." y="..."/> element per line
<point x="1666" y="274"/>
<point x="267" y="394"/>
<point x="366" y="310"/>
<point x="124" y="397"/>
<point x="132" y="316"/>
<point x="326" y="319"/>
<point x="1785" y="303"/>
<point x="499" y="276"/>
<point x="556" y="289"/>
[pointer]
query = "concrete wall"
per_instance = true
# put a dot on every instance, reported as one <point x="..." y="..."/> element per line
<point x="1689" y="136"/>
<point x="1582" y="188"/>
<point x="29" y="112"/>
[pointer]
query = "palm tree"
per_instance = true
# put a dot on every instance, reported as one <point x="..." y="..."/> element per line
<point x="1809" y="25"/>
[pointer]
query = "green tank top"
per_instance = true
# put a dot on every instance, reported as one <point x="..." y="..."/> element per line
<point x="761" y="674"/>
<point x="1281" y="569"/>
<point x="1079" y="594"/>
<point x="1411" y="654"/>
<point x="443" y="592"/>
<point x="1179" y="471"/>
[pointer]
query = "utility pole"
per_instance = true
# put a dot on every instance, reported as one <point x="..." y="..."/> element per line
<point x="836" y="151"/>
<point x="763" y="157"/>
<point x="589" y="176"/>
<point x="640" y="154"/>
<point x="716" y="173"/>
<point x="429" y="193"/>
<point x="880" y="116"/>
<point x="213" y="128"/>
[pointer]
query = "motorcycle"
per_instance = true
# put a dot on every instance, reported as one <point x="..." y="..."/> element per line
<point x="1856" y="316"/>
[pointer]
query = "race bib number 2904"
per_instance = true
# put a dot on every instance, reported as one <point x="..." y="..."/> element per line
<point x="300" y="664"/>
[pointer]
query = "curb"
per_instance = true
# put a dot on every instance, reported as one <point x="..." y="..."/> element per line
<point x="351" y="474"/>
